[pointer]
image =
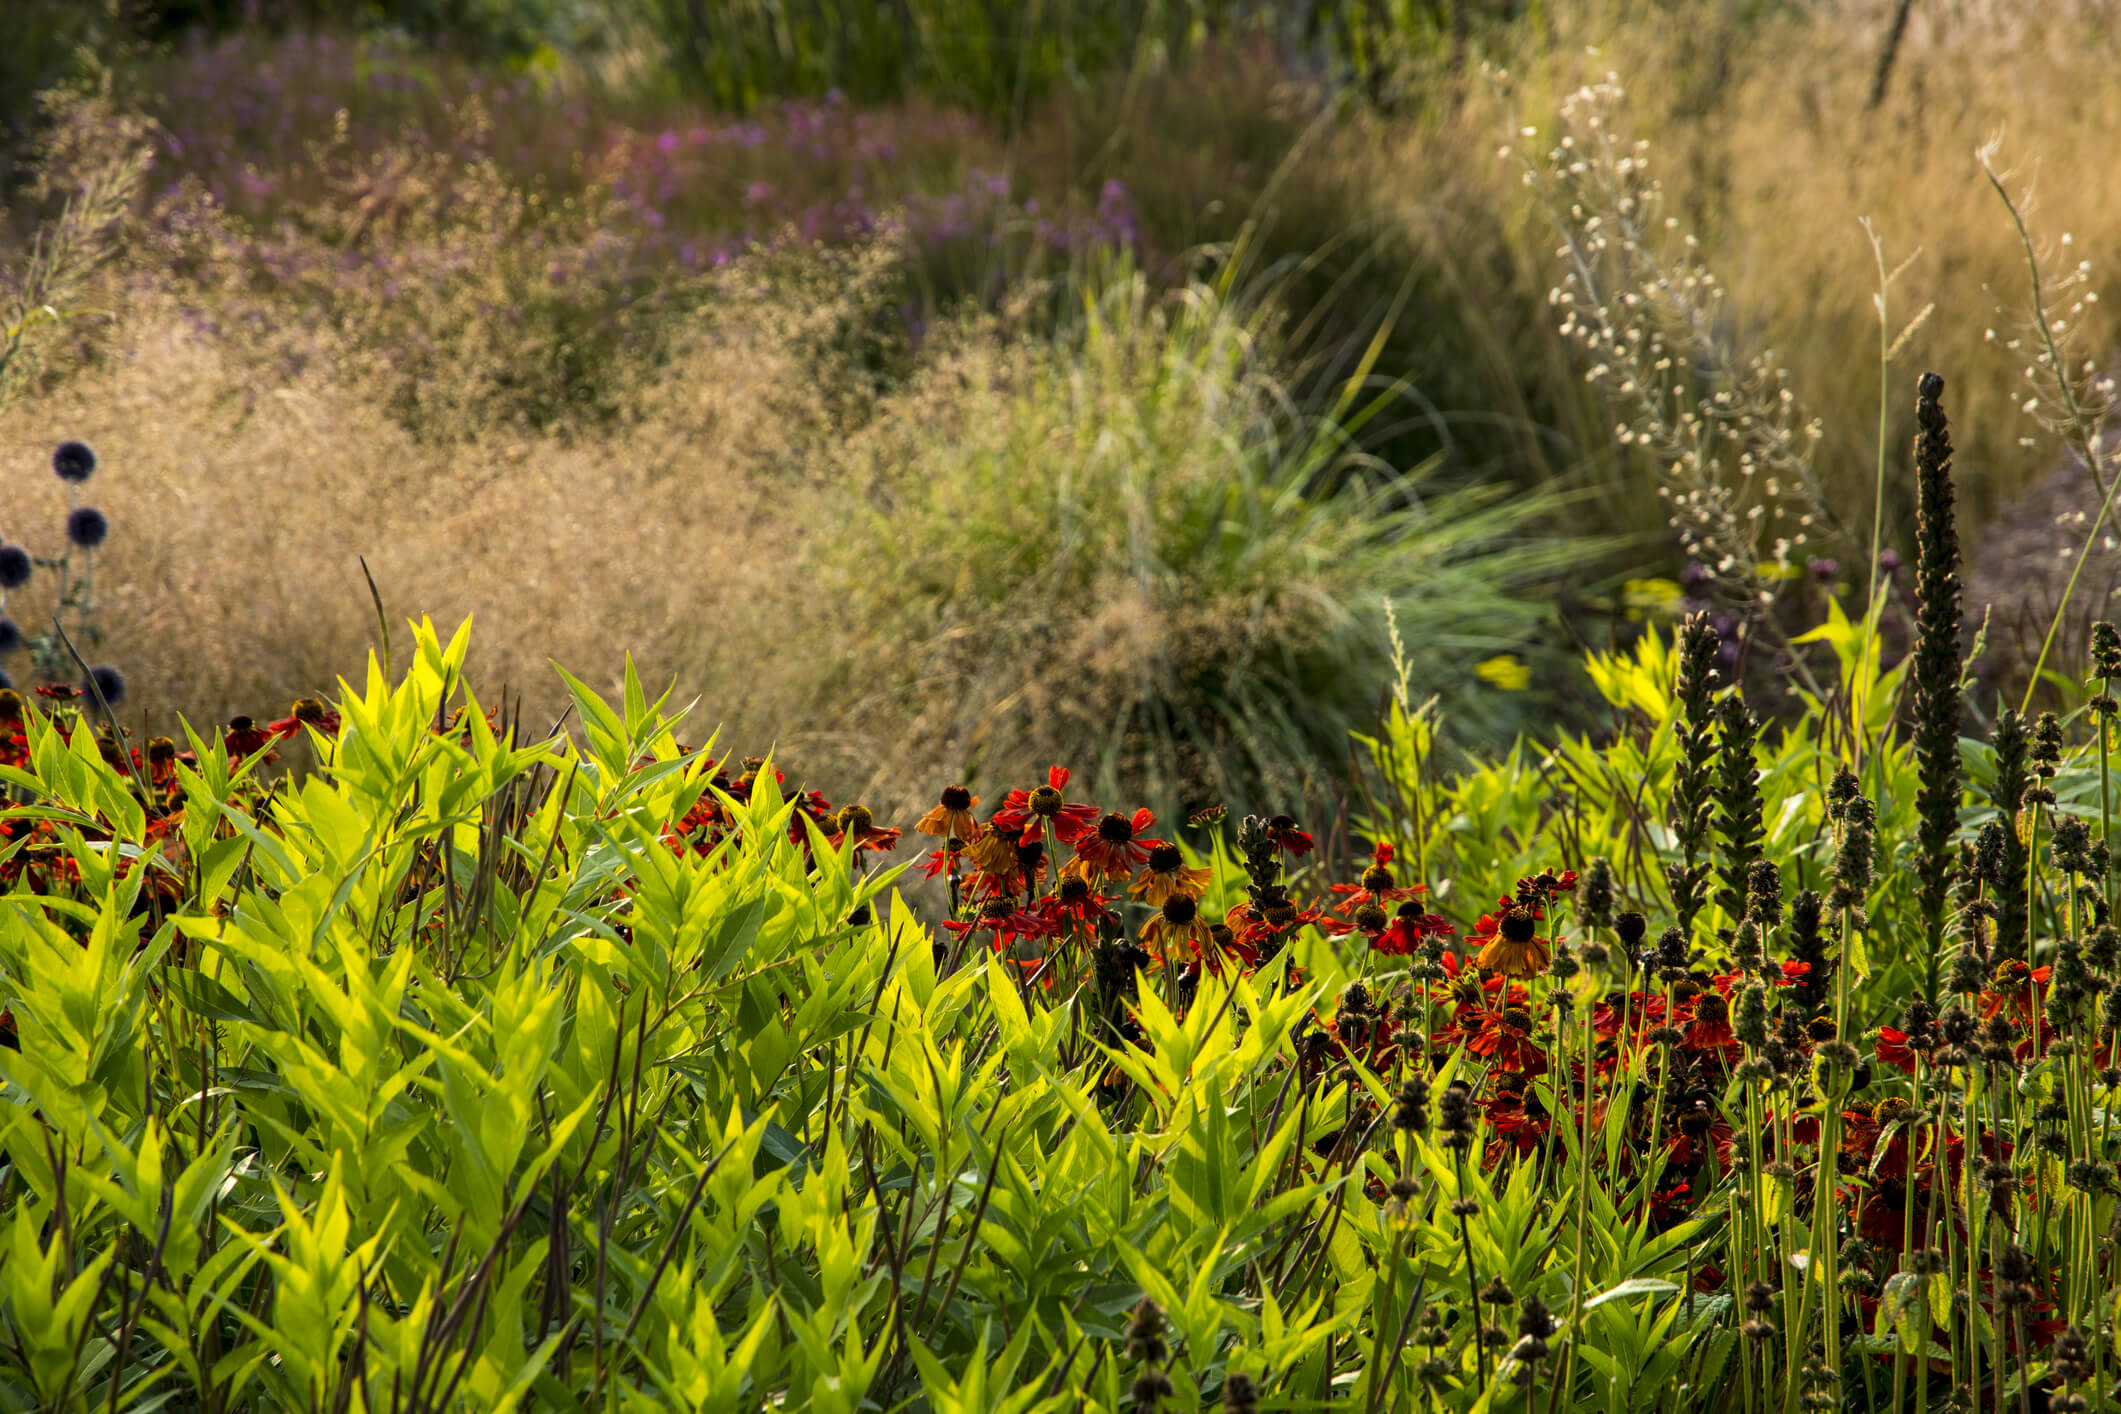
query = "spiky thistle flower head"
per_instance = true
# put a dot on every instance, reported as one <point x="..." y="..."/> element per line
<point x="87" y="527"/>
<point x="73" y="462"/>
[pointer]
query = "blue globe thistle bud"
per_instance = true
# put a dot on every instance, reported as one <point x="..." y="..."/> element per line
<point x="15" y="566"/>
<point x="87" y="527"/>
<point x="73" y="461"/>
<point x="107" y="682"/>
<point x="10" y="636"/>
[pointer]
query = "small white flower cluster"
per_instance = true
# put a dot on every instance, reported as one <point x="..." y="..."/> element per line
<point x="1722" y="425"/>
<point x="2066" y="393"/>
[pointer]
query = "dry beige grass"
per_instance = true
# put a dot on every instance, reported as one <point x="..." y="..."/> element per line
<point x="242" y="507"/>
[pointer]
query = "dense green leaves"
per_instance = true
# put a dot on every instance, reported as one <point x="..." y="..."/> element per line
<point x="447" y="1076"/>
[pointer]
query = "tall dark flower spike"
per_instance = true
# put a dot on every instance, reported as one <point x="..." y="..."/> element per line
<point x="1937" y="666"/>
<point x="1692" y="778"/>
<point x="1854" y="858"/>
<point x="1595" y="901"/>
<point x="1738" y="825"/>
<point x="2003" y="856"/>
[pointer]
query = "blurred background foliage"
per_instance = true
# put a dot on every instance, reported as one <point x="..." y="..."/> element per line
<point x="539" y="304"/>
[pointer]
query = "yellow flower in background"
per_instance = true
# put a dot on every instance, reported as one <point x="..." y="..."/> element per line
<point x="1505" y="672"/>
<point x="1651" y="598"/>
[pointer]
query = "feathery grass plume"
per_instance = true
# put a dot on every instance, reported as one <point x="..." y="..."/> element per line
<point x="1937" y="666"/>
<point x="1738" y="827"/>
<point x="2003" y="854"/>
<point x="1692" y="778"/>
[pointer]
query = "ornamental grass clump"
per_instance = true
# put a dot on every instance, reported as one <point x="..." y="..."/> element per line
<point x="1127" y="545"/>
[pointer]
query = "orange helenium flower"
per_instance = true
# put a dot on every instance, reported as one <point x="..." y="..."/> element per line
<point x="1114" y="848"/>
<point x="307" y="711"/>
<point x="1513" y="947"/>
<point x="1033" y="812"/>
<point x="952" y="816"/>
<point x="1166" y="875"/>
<point x="1178" y="922"/>
<point x="856" y="823"/>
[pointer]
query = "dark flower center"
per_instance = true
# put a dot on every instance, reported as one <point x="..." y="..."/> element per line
<point x="854" y="819"/>
<point x="1280" y="913"/>
<point x="1180" y="910"/>
<point x="1712" y="1008"/>
<point x="1074" y="890"/>
<point x="956" y="798"/>
<point x="1221" y="935"/>
<point x="1518" y="925"/>
<point x="240" y="723"/>
<point x="161" y="750"/>
<point x="1281" y="822"/>
<point x="1376" y="878"/>
<point x="1115" y="829"/>
<point x="1046" y="801"/>
<point x="1517" y="1017"/>
<point x="1370" y="918"/>
<point x="1166" y="859"/>
<point x="1412" y="908"/>
<point x="994" y="910"/>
